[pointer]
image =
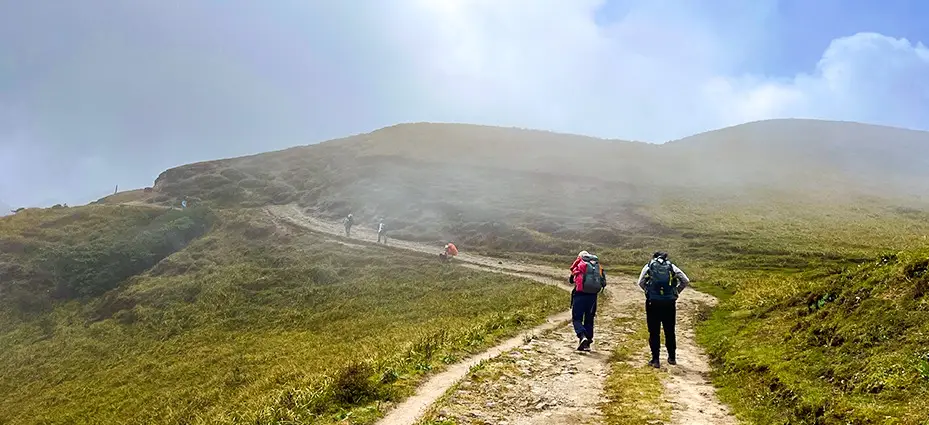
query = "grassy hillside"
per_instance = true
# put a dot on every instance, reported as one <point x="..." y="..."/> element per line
<point x="63" y="254"/>
<point x="771" y="215"/>
<point x="813" y="234"/>
<point x="822" y="314"/>
<point x="249" y="322"/>
<point x="838" y="344"/>
<point x="497" y="189"/>
<point x="138" y="196"/>
<point x="843" y="157"/>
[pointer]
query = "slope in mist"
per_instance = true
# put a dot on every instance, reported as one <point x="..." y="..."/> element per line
<point x="785" y="219"/>
<point x="782" y="218"/>
<point x="845" y="157"/>
<point x="501" y="188"/>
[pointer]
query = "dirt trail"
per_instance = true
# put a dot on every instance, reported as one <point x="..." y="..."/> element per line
<point x="688" y="388"/>
<point x="292" y="214"/>
<point x="413" y="408"/>
<point x="547" y="381"/>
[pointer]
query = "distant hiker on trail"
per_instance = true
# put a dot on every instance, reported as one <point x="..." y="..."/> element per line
<point x="589" y="280"/>
<point x="662" y="282"/>
<point x="450" y="251"/>
<point x="348" y="221"/>
<point x="184" y="203"/>
<point x="381" y="232"/>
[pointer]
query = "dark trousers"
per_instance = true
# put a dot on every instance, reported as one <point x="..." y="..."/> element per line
<point x="381" y="235"/>
<point x="658" y="314"/>
<point x="583" y="310"/>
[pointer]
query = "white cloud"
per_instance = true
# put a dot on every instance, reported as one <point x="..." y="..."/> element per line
<point x="664" y="70"/>
<point x="864" y="77"/>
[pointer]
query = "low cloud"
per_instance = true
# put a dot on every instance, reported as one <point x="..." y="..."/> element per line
<point x="101" y="93"/>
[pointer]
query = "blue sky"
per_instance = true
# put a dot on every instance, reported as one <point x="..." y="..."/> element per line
<point x="97" y="93"/>
<point x="805" y="28"/>
<point x="798" y="31"/>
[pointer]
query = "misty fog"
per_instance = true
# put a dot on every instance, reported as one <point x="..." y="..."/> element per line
<point x="97" y="94"/>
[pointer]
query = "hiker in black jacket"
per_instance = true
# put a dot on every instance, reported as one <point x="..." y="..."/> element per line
<point x="662" y="282"/>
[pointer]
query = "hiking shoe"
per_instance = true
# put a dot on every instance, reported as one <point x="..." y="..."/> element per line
<point x="585" y="346"/>
<point x="655" y="363"/>
<point x="672" y="361"/>
<point x="584" y="343"/>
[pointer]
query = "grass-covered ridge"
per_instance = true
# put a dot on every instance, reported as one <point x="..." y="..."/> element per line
<point x="250" y="323"/>
<point x="818" y="324"/>
<point x="73" y="253"/>
<point x="554" y="192"/>
<point x="834" y="345"/>
<point x="761" y="252"/>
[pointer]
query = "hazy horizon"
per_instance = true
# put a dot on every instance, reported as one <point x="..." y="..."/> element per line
<point x="97" y="94"/>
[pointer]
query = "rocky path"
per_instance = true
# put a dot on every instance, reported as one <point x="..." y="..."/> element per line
<point x="543" y="381"/>
<point x="688" y="388"/>
<point x="538" y="377"/>
<point x="414" y="408"/>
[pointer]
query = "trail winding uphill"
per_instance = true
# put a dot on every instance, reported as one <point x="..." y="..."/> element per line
<point x="538" y="377"/>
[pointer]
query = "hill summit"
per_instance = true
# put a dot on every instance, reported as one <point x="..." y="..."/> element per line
<point x="424" y="166"/>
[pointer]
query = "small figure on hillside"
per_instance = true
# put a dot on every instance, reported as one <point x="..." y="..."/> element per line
<point x="589" y="280"/>
<point x="450" y="251"/>
<point x="662" y="282"/>
<point x="184" y="203"/>
<point x="382" y="232"/>
<point x="348" y="221"/>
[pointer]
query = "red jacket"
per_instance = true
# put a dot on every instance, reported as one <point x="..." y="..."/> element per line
<point x="574" y="265"/>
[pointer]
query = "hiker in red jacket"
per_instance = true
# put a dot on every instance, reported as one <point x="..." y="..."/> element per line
<point x="450" y="251"/>
<point x="589" y="280"/>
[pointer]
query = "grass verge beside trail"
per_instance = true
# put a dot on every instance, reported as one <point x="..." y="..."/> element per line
<point x="250" y="323"/>
<point x="633" y="390"/>
<point x="828" y="346"/>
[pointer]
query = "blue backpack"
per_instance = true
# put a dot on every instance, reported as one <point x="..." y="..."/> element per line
<point x="593" y="279"/>
<point x="661" y="281"/>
